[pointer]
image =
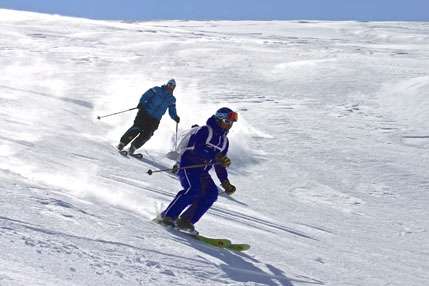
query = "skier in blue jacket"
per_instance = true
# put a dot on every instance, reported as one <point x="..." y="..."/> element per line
<point x="208" y="147"/>
<point x="152" y="106"/>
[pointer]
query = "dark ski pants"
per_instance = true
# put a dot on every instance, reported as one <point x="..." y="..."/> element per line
<point x="142" y="130"/>
<point x="198" y="195"/>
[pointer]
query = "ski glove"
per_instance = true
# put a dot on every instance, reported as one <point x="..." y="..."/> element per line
<point x="140" y="105"/>
<point x="228" y="187"/>
<point x="175" y="169"/>
<point x="223" y="160"/>
<point x="177" y="119"/>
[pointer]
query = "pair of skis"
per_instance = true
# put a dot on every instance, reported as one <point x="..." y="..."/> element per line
<point x="216" y="242"/>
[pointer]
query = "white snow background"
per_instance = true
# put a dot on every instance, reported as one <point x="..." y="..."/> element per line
<point x="329" y="156"/>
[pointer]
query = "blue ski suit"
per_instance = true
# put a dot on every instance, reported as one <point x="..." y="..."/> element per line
<point x="152" y="106"/>
<point x="156" y="101"/>
<point x="199" y="191"/>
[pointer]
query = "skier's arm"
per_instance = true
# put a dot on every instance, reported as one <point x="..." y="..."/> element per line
<point x="220" y="169"/>
<point x="222" y="174"/>
<point x="172" y="111"/>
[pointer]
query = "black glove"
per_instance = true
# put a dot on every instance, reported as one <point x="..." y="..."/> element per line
<point x="228" y="187"/>
<point x="175" y="168"/>
<point x="177" y="119"/>
<point x="140" y="105"/>
<point x="223" y="160"/>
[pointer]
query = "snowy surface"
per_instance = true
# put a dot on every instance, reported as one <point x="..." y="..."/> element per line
<point x="330" y="153"/>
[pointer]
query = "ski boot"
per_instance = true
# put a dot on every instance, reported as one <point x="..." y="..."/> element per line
<point x="131" y="150"/>
<point x="120" y="146"/>
<point x="165" y="220"/>
<point x="168" y="221"/>
<point x="185" y="225"/>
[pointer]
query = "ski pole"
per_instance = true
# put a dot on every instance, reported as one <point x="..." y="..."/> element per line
<point x="150" y="171"/>
<point x="175" y="143"/>
<point x="99" y="117"/>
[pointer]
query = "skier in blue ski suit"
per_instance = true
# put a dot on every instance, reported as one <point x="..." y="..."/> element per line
<point x="208" y="147"/>
<point x="152" y="106"/>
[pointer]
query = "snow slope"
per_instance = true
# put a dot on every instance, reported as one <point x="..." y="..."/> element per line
<point x="330" y="154"/>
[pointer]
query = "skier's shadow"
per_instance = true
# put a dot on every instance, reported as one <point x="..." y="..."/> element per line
<point x="240" y="266"/>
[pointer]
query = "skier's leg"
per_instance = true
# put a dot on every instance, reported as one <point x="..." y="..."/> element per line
<point x="142" y="138"/>
<point x="129" y="135"/>
<point x="190" y="181"/>
<point x="134" y="130"/>
<point x="203" y="201"/>
<point x="148" y="127"/>
<point x="208" y="200"/>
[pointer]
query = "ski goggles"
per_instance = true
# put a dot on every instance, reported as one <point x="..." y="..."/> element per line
<point x="171" y="85"/>
<point x="228" y="118"/>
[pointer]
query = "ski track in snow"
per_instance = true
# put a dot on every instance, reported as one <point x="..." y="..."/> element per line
<point x="329" y="153"/>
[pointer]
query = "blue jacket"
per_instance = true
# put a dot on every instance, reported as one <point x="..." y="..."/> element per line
<point x="155" y="102"/>
<point x="202" y="149"/>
